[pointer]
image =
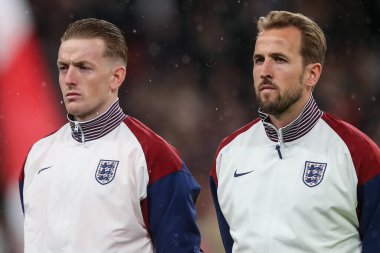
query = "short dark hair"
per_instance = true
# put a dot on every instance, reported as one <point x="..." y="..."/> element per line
<point x="91" y="28"/>
<point x="313" y="41"/>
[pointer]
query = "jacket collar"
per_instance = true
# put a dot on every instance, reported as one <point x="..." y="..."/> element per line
<point x="98" y="127"/>
<point x="305" y="121"/>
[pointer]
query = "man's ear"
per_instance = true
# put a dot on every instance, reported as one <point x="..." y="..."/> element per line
<point x="313" y="72"/>
<point x="119" y="74"/>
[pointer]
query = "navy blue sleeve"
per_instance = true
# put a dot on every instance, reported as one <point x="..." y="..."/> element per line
<point x="369" y="215"/>
<point x="171" y="213"/>
<point x="223" y="225"/>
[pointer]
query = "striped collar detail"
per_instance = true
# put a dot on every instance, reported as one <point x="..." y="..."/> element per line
<point x="98" y="127"/>
<point x="305" y="121"/>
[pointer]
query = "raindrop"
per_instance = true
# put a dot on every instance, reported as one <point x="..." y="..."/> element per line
<point x="61" y="102"/>
<point x="199" y="28"/>
<point x="186" y="59"/>
<point x="221" y="38"/>
<point x="134" y="31"/>
<point x="43" y="84"/>
<point x="373" y="98"/>
<point x="154" y="49"/>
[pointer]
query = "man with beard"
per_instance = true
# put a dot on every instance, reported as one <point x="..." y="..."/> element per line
<point x="296" y="179"/>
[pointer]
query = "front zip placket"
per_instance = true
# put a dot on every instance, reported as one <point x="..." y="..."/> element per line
<point x="279" y="143"/>
<point x="78" y="129"/>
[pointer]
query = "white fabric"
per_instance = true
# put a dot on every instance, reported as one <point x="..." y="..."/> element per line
<point x="272" y="210"/>
<point x="53" y="196"/>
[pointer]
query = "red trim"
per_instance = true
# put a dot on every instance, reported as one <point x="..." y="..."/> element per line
<point x="364" y="152"/>
<point x="225" y="142"/>
<point x="161" y="158"/>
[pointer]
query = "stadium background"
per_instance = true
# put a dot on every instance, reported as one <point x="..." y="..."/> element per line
<point x="189" y="76"/>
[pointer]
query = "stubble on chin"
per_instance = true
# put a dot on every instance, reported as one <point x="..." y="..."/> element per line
<point x="280" y="103"/>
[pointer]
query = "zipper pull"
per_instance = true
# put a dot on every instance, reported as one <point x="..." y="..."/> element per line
<point x="278" y="148"/>
<point x="76" y="128"/>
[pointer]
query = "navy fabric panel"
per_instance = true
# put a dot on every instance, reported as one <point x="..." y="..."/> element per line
<point x="223" y="225"/>
<point x="21" y="186"/>
<point x="171" y="204"/>
<point x="21" y="189"/>
<point x="369" y="215"/>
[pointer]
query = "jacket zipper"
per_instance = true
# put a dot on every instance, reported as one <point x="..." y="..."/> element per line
<point x="279" y="143"/>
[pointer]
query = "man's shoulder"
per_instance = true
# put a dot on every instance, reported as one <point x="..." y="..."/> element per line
<point x="365" y="153"/>
<point x="52" y="135"/>
<point x="347" y="132"/>
<point x="161" y="157"/>
<point x="143" y="133"/>
<point x="227" y="140"/>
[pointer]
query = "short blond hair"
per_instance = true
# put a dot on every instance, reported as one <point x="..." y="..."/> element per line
<point x="91" y="28"/>
<point x="313" y="41"/>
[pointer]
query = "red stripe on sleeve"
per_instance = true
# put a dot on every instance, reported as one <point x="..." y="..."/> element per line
<point x="161" y="158"/>
<point x="364" y="152"/>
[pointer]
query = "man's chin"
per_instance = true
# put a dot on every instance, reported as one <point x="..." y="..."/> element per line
<point x="266" y="103"/>
<point x="73" y="109"/>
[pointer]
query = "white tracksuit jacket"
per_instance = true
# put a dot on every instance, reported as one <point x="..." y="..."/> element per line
<point x="108" y="185"/>
<point x="311" y="187"/>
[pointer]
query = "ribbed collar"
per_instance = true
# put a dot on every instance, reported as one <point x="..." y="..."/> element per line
<point x="305" y="121"/>
<point x="98" y="127"/>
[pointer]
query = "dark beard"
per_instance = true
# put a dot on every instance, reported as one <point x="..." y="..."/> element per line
<point x="282" y="102"/>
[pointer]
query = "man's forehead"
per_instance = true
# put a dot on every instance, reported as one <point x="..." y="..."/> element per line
<point x="288" y="38"/>
<point x="80" y="49"/>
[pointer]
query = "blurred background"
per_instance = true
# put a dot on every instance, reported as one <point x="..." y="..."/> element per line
<point x="189" y="78"/>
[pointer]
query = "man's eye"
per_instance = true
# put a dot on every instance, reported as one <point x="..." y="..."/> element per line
<point x="258" y="60"/>
<point x="62" y="68"/>
<point x="280" y="60"/>
<point x="83" y="67"/>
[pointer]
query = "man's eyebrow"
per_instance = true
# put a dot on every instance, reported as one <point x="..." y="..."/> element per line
<point x="75" y="63"/>
<point x="271" y="55"/>
<point x="277" y="54"/>
<point x="256" y="55"/>
<point x="59" y="62"/>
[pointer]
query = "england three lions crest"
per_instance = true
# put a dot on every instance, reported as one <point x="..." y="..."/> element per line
<point x="106" y="171"/>
<point x="313" y="173"/>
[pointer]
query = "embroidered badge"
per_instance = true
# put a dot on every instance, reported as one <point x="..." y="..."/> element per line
<point x="313" y="173"/>
<point x="106" y="171"/>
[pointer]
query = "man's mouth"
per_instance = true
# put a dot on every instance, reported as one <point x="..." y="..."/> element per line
<point x="72" y="95"/>
<point x="267" y="87"/>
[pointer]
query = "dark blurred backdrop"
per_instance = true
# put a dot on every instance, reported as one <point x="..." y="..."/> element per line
<point x="189" y="74"/>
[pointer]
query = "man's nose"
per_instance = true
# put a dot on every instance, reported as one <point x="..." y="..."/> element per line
<point x="266" y="70"/>
<point x="70" y="78"/>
